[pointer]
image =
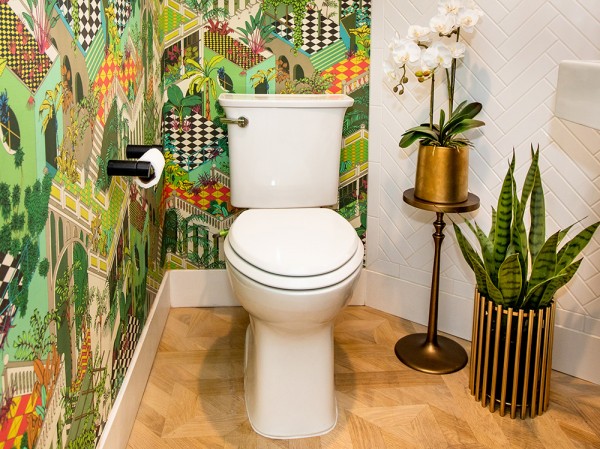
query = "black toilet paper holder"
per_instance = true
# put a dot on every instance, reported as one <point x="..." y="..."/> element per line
<point x="140" y="169"/>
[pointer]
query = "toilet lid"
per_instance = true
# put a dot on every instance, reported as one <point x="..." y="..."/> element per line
<point x="293" y="242"/>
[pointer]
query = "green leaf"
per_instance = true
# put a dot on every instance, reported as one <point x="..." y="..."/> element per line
<point x="28" y="19"/>
<point x="534" y="296"/>
<point x="471" y="257"/>
<point x="529" y="181"/>
<point x="493" y="227"/>
<point x="573" y="247"/>
<point x="417" y="133"/>
<point x="557" y="282"/>
<point x="3" y="62"/>
<point x="537" y="211"/>
<point x="503" y="220"/>
<point x="510" y="279"/>
<point x="486" y="246"/>
<point x="175" y="95"/>
<point x="462" y="126"/>
<point x="544" y="265"/>
<point x="191" y="100"/>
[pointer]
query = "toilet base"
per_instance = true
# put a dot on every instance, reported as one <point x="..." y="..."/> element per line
<point x="289" y="382"/>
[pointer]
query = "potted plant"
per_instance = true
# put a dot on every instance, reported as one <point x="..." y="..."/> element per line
<point x="518" y="272"/>
<point x="443" y="158"/>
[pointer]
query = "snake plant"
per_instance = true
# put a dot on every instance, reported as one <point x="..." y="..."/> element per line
<point x="516" y="268"/>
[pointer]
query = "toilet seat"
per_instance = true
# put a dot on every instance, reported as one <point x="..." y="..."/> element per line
<point x="293" y="249"/>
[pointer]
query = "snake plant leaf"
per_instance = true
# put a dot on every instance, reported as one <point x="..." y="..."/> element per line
<point x="492" y="291"/>
<point x="529" y="181"/>
<point x="471" y="257"/>
<point x="503" y="220"/>
<point x="544" y="265"/>
<point x="537" y="211"/>
<point x="558" y="281"/>
<point x="533" y="297"/>
<point x="487" y="248"/>
<point x="573" y="247"/>
<point x="493" y="227"/>
<point x="510" y="279"/>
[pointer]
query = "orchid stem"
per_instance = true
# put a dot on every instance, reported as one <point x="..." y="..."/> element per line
<point x="431" y="100"/>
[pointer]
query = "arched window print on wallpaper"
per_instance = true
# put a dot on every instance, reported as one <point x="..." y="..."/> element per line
<point x="257" y="49"/>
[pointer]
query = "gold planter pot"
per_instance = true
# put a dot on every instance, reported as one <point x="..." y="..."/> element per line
<point x="442" y="174"/>
<point x="511" y="357"/>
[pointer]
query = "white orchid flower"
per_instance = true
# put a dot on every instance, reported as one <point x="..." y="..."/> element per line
<point x="438" y="55"/>
<point x="468" y="18"/>
<point x="457" y="49"/>
<point x="418" y="33"/>
<point x="406" y="51"/>
<point x="389" y="69"/>
<point x="442" y="24"/>
<point x="452" y="7"/>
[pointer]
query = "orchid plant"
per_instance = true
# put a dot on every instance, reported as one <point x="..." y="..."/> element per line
<point x="420" y="53"/>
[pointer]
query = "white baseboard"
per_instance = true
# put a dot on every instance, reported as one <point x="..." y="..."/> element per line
<point x="122" y="415"/>
<point x="576" y="354"/>
<point x="211" y="288"/>
<point x="411" y="301"/>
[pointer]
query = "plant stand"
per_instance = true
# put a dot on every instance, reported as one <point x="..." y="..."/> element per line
<point x="428" y="352"/>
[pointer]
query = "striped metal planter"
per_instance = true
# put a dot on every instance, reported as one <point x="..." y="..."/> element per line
<point x="511" y="357"/>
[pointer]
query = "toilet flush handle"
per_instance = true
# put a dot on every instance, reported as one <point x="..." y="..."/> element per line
<point x="242" y="122"/>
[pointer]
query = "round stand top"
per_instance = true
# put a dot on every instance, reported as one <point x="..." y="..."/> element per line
<point x="471" y="204"/>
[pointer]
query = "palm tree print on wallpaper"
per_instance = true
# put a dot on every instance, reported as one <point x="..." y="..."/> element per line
<point x="79" y="252"/>
<point x="246" y="46"/>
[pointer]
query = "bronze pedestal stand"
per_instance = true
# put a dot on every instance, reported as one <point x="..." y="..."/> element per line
<point x="428" y="352"/>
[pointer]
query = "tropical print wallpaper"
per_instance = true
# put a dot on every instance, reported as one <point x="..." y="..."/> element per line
<point x="79" y="258"/>
<point x="250" y="46"/>
<point x="82" y="254"/>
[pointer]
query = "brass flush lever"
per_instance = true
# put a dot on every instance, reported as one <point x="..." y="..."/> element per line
<point x="242" y="122"/>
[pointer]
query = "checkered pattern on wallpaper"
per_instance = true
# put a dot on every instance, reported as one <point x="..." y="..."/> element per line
<point x="315" y="38"/>
<point x="9" y="268"/>
<point x="23" y="58"/>
<point x="126" y="348"/>
<point x="89" y="19"/>
<point x="347" y="3"/>
<point x="122" y="11"/>
<point x="195" y="142"/>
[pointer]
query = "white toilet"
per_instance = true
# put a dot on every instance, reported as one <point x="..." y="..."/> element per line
<point x="291" y="263"/>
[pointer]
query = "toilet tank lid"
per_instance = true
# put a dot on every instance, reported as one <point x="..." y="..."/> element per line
<point x="294" y="242"/>
<point x="286" y="100"/>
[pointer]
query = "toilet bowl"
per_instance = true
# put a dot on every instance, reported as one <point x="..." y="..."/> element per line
<point x="293" y="270"/>
<point x="291" y="262"/>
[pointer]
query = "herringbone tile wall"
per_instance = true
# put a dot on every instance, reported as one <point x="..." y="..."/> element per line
<point x="511" y="67"/>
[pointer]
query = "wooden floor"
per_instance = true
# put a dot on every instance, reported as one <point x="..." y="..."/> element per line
<point x="194" y="398"/>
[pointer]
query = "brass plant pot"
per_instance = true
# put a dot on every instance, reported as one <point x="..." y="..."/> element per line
<point x="511" y="357"/>
<point x="442" y="174"/>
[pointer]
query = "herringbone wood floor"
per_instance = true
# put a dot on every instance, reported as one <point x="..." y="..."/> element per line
<point x="194" y="397"/>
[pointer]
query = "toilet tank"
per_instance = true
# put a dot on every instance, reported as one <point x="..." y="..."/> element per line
<point x="288" y="155"/>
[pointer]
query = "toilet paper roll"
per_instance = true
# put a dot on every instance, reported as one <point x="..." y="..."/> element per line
<point x="157" y="160"/>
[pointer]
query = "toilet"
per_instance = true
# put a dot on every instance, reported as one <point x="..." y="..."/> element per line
<point x="292" y="262"/>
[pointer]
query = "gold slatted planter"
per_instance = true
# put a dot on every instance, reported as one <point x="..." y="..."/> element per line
<point x="511" y="357"/>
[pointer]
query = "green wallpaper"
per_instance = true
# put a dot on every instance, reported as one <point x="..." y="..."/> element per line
<point x="82" y="255"/>
<point x="78" y="251"/>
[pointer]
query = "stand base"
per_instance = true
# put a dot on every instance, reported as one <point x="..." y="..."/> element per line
<point x="445" y="357"/>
